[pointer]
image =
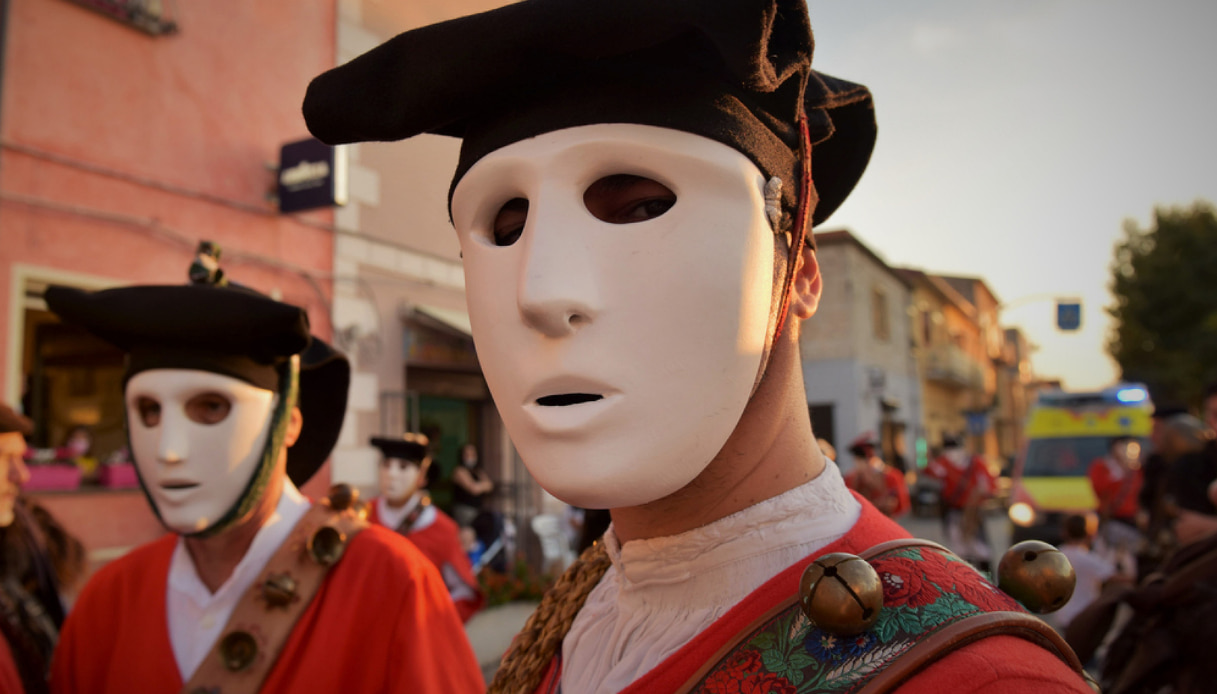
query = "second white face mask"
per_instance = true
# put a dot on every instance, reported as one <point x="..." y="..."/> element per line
<point x="398" y="479"/>
<point x="621" y="356"/>
<point x="195" y="472"/>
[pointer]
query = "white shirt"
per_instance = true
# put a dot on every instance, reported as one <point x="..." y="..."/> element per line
<point x="392" y="518"/>
<point x="196" y="615"/>
<point x="1091" y="571"/>
<point x="660" y="593"/>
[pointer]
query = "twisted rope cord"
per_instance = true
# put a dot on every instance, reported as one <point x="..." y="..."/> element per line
<point x="537" y="643"/>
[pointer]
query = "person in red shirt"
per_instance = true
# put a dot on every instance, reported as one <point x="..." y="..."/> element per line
<point x="966" y="483"/>
<point x="404" y="506"/>
<point x="231" y="404"/>
<point x="1116" y="479"/>
<point x="880" y="483"/>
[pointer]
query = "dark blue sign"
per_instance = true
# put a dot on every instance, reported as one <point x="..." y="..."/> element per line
<point x="1068" y="315"/>
<point x="311" y="174"/>
<point x="978" y="422"/>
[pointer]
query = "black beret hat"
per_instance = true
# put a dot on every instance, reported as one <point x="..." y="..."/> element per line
<point x="411" y="447"/>
<point x="230" y="330"/>
<point x="735" y="71"/>
<point x="12" y="421"/>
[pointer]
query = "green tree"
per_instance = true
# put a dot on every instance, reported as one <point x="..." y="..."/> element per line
<point x="1164" y="280"/>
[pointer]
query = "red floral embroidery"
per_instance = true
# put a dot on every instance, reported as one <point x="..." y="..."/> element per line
<point x="961" y="578"/>
<point x="725" y="681"/>
<point x="904" y="584"/>
<point x="769" y="684"/>
<point x="747" y="660"/>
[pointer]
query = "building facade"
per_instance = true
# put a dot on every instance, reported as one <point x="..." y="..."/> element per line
<point x="399" y="306"/>
<point x="858" y="366"/>
<point x="124" y="142"/>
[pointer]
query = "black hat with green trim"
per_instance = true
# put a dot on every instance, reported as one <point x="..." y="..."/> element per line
<point x="232" y="331"/>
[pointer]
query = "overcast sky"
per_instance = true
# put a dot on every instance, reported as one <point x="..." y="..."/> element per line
<point x="1016" y="137"/>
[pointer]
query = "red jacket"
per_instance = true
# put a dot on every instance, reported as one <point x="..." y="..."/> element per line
<point x="892" y="498"/>
<point x="441" y="543"/>
<point x="959" y="484"/>
<point x="1117" y="491"/>
<point x="381" y="622"/>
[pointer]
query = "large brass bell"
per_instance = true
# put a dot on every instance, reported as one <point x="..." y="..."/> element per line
<point x="841" y="594"/>
<point x="1038" y="575"/>
<point x="238" y="650"/>
<point x="342" y="496"/>
<point x="327" y="545"/>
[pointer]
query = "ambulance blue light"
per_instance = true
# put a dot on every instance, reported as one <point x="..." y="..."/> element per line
<point x="1127" y="395"/>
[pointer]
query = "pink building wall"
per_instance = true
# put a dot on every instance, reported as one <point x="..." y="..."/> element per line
<point x="119" y="151"/>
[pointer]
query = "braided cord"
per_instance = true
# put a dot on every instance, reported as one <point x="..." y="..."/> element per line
<point x="537" y="643"/>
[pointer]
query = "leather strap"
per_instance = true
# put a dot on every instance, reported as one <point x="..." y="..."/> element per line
<point x="407" y="523"/>
<point x="250" y="643"/>
<point x="935" y="646"/>
<point x="942" y="642"/>
<point x="734" y="642"/>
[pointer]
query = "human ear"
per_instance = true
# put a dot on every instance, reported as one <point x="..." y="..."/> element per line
<point x="295" y="422"/>
<point x="805" y="294"/>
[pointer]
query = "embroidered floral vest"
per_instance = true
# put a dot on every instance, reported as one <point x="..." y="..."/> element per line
<point x="933" y="603"/>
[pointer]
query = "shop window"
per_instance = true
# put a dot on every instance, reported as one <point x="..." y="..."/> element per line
<point x="72" y="389"/>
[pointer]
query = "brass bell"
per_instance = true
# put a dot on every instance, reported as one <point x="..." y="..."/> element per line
<point x="238" y="650"/>
<point x="342" y="496"/>
<point x="1038" y="575"/>
<point x="841" y="594"/>
<point x="327" y="545"/>
<point x="279" y="589"/>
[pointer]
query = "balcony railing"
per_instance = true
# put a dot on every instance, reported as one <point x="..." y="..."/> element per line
<point x="951" y="366"/>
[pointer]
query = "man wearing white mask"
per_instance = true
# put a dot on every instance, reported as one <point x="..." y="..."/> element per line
<point x="633" y="202"/>
<point x="231" y="405"/>
<point x="404" y="506"/>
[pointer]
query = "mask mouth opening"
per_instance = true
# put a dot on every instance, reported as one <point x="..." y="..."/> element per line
<point x="176" y="484"/>
<point x="566" y="399"/>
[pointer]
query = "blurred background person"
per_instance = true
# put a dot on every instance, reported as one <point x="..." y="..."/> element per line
<point x="1192" y="478"/>
<point x="827" y="449"/>
<point x="1093" y="571"/>
<point x="966" y="484"/>
<point x="405" y="506"/>
<point x="1116" y="481"/>
<point x="471" y="486"/>
<point x="1175" y="435"/>
<point x="36" y="554"/>
<point x="881" y="484"/>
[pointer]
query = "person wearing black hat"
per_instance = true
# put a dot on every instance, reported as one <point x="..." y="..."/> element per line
<point x="633" y="199"/>
<point x="231" y="405"/>
<point x="404" y="506"/>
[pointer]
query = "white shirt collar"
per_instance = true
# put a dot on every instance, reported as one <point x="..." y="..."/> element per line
<point x="392" y="517"/>
<point x="195" y="614"/>
<point x="660" y="593"/>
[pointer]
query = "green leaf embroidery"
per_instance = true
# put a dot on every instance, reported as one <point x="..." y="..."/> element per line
<point x="764" y="641"/>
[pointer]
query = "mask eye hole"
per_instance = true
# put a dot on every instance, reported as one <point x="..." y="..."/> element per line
<point x="627" y="199"/>
<point x="149" y="411"/>
<point x="208" y="408"/>
<point x="509" y="222"/>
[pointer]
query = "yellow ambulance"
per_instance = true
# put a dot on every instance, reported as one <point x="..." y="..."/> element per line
<point x="1066" y="432"/>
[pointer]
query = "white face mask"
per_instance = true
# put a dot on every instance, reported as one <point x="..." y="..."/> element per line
<point x="398" y="479"/>
<point x="195" y="471"/>
<point x="663" y="322"/>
